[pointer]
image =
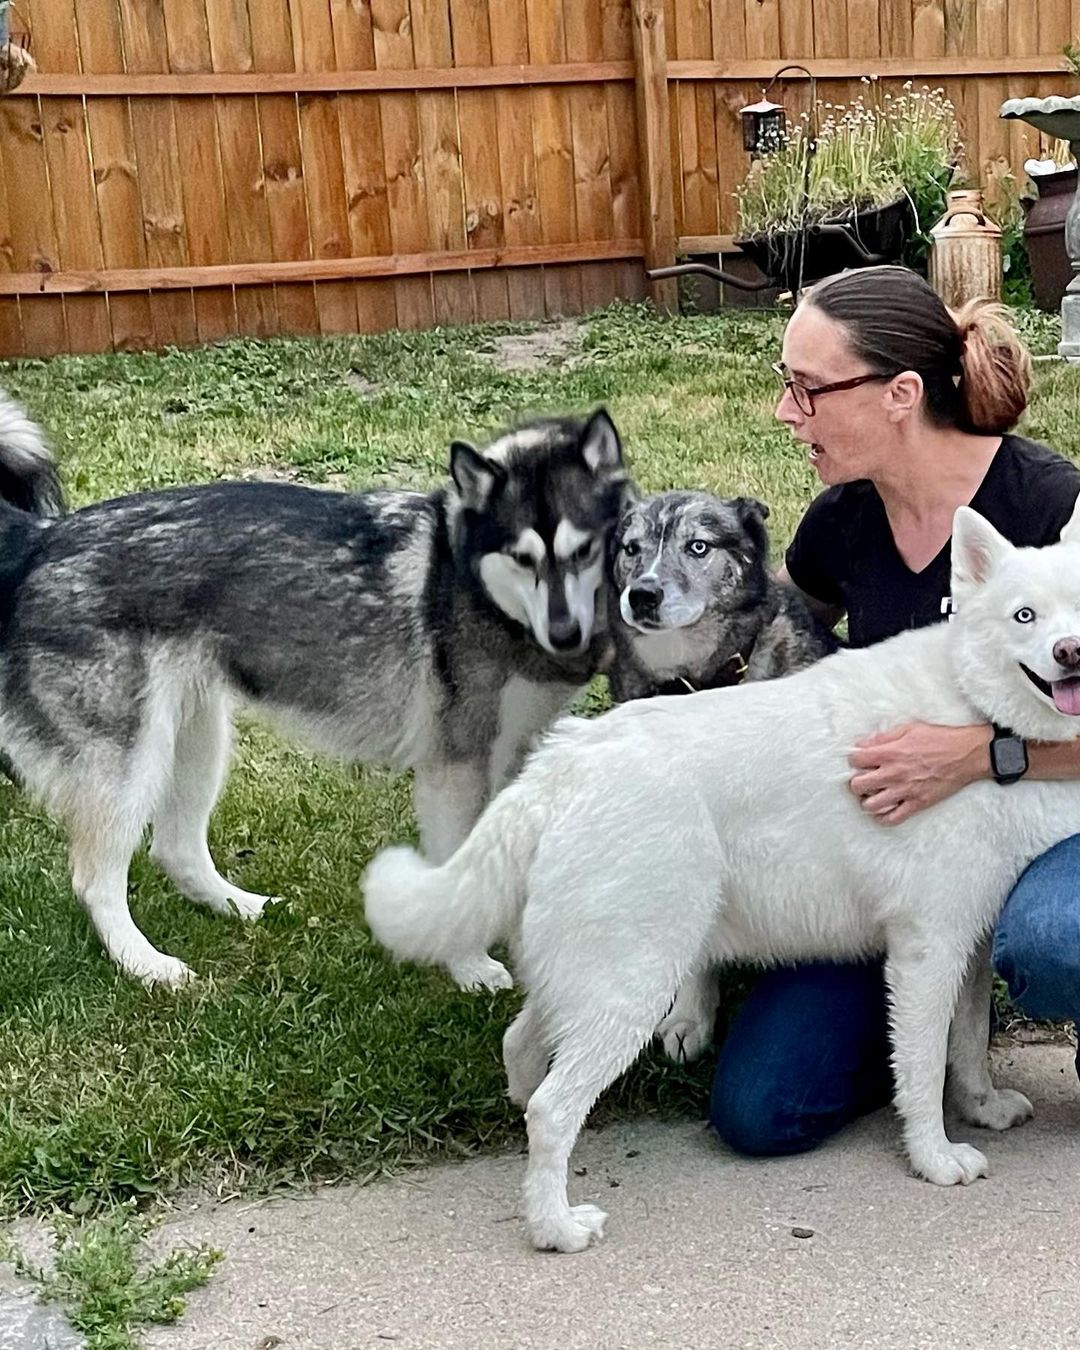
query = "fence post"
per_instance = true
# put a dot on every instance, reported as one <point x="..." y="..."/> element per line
<point x="654" y="148"/>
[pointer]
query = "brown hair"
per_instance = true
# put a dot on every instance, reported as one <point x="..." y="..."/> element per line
<point x="975" y="370"/>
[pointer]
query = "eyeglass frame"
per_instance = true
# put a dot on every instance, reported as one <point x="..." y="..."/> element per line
<point x="781" y="372"/>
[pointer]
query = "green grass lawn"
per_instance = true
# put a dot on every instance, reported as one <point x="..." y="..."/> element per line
<point x="301" y="1050"/>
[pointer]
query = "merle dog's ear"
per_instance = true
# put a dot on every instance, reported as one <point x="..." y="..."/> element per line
<point x="601" y="448"/>
<point x="750" y="508"/>
<point x="477" y="479"/>
<point x="752" y="517"/>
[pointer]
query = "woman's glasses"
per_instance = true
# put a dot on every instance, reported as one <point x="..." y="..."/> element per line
<point x="804" y="396"/>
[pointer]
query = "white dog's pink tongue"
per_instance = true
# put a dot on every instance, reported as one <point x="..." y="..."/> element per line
<point x="1067" y="695"/>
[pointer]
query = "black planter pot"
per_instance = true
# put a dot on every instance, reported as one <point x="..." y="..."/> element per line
<point x="793" y="258"/>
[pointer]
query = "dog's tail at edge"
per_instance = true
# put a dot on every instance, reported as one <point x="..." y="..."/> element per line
<point x="449" y="915"/>
<point x="28" y="477"/>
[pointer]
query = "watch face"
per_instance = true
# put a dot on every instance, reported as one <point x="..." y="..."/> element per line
<point x="1010" y="756"/>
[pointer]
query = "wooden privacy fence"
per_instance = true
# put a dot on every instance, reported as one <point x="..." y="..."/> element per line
<point x="185" y="170"/>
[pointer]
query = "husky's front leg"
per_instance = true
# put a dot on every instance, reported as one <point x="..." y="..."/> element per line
<point x="970" y="1088"/>
<point x="923" y="972"/>
<point x="448" y="797"/>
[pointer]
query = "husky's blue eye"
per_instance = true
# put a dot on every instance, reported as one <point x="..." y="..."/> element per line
<point x="698" y="547"/>
<point x="1024" y="615"/>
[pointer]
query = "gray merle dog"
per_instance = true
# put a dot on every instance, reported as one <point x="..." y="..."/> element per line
<point x="696" y="607"/>
<point x="435" y="631"/>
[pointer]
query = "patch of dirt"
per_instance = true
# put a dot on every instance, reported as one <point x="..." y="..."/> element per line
<point x="533" y="351"/>
<point x="287" y="473"/>
<point x="359" y="383"/>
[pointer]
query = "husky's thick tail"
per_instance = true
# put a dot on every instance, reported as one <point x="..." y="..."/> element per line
<point x="450" y="915"/>
<point x="28" y="477"/>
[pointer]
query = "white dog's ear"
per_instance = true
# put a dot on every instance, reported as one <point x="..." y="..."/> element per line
<point x="977" y="548"/>
<point x="601" y="448"/>
<point x="1070" y="534"/>
<point x="476" y="478"/>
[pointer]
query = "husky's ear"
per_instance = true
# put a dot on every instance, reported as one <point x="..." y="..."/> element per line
<point x="977" y="547"/>
<point x="477" y="479"/>
<point x="600" y="446"/>
<point x="1070" y="533"/>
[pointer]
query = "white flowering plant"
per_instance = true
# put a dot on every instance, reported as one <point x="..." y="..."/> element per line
<point x="863" y="156"/>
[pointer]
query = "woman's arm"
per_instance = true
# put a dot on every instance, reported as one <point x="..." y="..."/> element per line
<point x="914" y="766"/>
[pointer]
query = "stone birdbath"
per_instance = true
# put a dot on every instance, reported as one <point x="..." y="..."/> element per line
<point x="1060" y="117"/>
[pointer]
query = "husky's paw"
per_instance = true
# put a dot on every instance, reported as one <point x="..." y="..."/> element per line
<point x="480" y="972"/>
<point x="956" y="1165"/>
<point x="581" y="1226"/>
<point x="684" y="1039"/>
<point x="1001" y="1110"/>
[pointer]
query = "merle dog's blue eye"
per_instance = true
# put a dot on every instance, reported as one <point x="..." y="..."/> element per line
<point x="698" y="547"/>
<point x="1024" y="615"/>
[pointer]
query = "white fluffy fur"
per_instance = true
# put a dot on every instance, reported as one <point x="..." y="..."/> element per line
<point x="672" y="833"/>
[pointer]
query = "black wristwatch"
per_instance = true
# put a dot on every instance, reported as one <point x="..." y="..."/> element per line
<point x="1008" y="756"/>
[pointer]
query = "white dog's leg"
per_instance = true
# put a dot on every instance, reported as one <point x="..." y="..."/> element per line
<point x="448" y="799"/>
<point x="525" y="1056"/>
<point x="101" y="850"/>
<point x="589" y="1060"/>
<point x="180" y="823"/>
<point x="924" y="974"/>
<point x="970" y="1089"/>
<point x="687" y="1029"/>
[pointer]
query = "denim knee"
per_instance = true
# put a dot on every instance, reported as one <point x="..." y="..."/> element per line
<point x="752" y="1117"/>
<point x="1037" y="940"/>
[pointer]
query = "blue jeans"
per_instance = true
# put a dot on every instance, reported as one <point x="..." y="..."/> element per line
<point x="808" y="1051"/>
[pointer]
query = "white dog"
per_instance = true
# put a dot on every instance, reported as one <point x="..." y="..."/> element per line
<point x="637" y="849"/>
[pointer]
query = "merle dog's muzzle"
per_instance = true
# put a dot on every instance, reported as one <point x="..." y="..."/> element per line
<point x="645" y="597"/>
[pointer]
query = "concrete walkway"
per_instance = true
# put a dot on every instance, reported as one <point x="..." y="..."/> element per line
<point x="702" y="1251"/>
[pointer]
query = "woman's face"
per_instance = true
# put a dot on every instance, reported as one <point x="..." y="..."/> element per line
<point x="850" y="432"/>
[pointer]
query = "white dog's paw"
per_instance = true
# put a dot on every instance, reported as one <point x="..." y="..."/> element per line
<point x="247" y="905"/>
<point x="956" y="1165"/>
<point x="480" y="972"/>
<point x="684" y="1038"/>
<point x="581" y="1226"/>
<point x="165" y="972"/>
<point x="1001" y="1110"/>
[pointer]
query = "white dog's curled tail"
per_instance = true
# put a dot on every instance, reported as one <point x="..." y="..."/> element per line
<point x="450" y="915"/>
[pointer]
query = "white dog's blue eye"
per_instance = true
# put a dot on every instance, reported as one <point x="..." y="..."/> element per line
<point x="1024" y="615"/>
<point x="698" y="547"/>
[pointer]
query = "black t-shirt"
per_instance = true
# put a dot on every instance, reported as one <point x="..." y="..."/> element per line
<point x="844" y="554"/>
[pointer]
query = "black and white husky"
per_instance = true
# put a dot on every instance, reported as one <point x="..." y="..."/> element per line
<point x="435" y="631"/>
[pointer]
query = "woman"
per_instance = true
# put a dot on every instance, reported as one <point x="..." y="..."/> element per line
<point x="907" y="411"/>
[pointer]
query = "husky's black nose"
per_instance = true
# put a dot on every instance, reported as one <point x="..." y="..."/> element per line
<point x="564" y="634"/>
<point x="1067" y="652"/>
<point x="645" y="597"/>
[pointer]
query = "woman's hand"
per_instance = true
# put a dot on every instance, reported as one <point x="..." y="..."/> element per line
<point x="902" y="771"/>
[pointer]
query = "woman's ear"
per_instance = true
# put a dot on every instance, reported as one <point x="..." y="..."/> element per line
<point x="903" y="394"/>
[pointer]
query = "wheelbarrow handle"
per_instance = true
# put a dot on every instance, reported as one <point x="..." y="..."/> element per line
<point x="707" y="270"/>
